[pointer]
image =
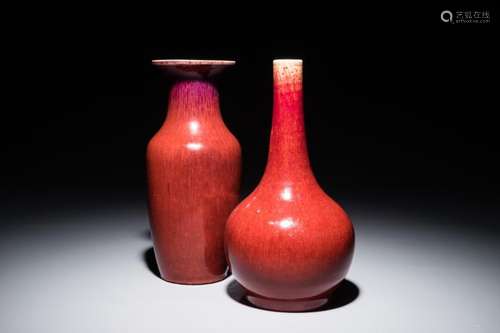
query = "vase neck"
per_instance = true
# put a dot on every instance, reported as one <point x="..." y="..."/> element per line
<point x="193" y="99"/>
<point x="288" y="154"/>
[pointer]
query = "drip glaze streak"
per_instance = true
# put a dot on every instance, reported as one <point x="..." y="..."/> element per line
<point x="288" y="243"/>
<point x="193" y="175"/>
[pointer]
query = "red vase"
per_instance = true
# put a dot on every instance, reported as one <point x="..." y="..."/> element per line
<point x="193" y="165"/>
<point x="288" y="244"/>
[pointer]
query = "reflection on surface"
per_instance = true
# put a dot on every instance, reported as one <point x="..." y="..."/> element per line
<point x="286" y="194"/>
<point x="194" y="127"/>
<point x="194" y="146"/>
<point x="284" y="223"/>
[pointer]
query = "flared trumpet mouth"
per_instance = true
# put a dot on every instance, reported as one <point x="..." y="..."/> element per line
<point x="194" y="62"/>
<point x="192" y="68"/>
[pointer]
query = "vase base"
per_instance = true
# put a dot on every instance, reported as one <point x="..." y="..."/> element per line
<point x="287" y="305"/>
<point x="197" y="281"/>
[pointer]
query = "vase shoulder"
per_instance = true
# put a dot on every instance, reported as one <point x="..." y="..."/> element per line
<point x="179" y="139"/>
<point x="304" y="208"/>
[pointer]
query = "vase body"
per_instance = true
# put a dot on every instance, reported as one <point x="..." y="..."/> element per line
<point x="193" y="165"/>
<point x="288" y="244"/>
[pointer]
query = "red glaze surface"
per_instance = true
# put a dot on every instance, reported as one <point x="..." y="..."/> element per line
<point x="193" y="175"/>
<point x="288" y="243"/>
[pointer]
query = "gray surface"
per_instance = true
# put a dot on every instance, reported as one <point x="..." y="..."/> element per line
<point x="83" y="270"/>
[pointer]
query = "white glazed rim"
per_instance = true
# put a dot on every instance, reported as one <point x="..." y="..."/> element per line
<point x="287" y="61"/>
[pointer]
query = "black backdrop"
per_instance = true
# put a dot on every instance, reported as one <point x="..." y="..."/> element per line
<point x="395" y="99"/>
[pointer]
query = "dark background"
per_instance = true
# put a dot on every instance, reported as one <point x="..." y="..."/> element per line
<point x="396" y="101"/>
<point x="400" y="111"/>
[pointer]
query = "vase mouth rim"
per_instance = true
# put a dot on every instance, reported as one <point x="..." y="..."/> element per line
<point x="192" y="62"/>
<point x="194" y="69"/>
<point x="287" y="61"/>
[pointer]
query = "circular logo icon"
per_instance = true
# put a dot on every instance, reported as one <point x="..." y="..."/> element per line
<point x="446" y="16"/>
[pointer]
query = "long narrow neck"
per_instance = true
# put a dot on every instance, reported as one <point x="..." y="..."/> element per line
<point x="193" y="99"/>
<point x="288" y="154"/>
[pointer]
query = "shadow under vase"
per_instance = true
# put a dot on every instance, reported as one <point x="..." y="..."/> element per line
<point x="345" y="293"/>
<point x="146" y="234"/>
<point x="149" y="259"/>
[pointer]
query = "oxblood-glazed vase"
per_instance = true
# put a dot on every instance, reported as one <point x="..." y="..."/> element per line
<point x="193" y="166"/>
<point x="288" y="244"/>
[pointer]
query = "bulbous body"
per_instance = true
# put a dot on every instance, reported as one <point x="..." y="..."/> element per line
<point x="193" y="176"/>
<point x="288" y="243"/>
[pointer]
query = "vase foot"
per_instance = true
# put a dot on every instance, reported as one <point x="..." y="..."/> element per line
<point x="287" y="305"/>
<point x="196" y="281"/>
